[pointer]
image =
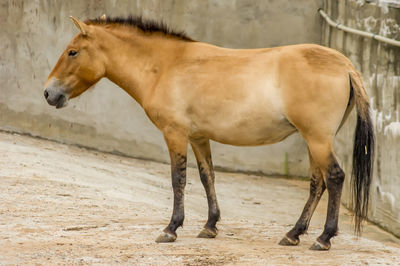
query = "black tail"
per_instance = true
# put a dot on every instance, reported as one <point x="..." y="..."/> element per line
<point x="363" y="155"/>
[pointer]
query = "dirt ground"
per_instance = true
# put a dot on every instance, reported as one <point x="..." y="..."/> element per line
<point x="61" y="204"/>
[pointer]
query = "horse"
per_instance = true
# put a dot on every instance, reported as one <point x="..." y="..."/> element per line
<point x="194" y="92"/>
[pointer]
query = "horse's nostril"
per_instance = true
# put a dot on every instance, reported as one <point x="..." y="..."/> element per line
<point x="46" y="94"/>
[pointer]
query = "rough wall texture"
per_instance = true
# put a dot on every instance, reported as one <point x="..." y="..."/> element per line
<point x="34" y="33"/>
<point x="380" y="66"/>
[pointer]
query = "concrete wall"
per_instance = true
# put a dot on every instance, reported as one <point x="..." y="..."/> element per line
<point x="380" y="66"/>
<point x="34" y="33"/>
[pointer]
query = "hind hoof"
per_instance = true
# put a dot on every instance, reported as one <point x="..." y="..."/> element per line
<point x="286" y="241"/>
<point x="166" y="238"/>
<point x="207" y="233"/>
<point x="320" y="246"/>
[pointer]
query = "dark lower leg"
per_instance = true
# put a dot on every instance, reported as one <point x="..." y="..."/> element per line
<point x="334" y="183"/>
<point x="176" y="140"/>
<point x="178" y="171"/>
<point x="207" y="178"/>
<point x="317" y="188"/>
<point x="202" y="152"/>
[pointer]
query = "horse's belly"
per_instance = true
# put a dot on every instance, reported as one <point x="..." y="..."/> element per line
<point x="248" y="131"/>
<point x="246" y="138"/>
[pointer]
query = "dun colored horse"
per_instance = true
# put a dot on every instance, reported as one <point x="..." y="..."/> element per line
<point x="194" y="92"/>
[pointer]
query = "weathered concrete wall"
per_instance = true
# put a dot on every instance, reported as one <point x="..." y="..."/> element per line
<point x="380" y="66"/>
<point x="34" y="33"/>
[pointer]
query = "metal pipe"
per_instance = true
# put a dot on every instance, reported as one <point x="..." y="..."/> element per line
<point x="357" y="32"/>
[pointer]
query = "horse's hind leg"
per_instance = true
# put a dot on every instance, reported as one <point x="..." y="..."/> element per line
<point x="322" y="152"/>
<point x="202" y="151"/>
<point x="317" y="188"/>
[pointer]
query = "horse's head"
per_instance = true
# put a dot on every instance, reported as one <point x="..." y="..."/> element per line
<point x="79" y="67"/>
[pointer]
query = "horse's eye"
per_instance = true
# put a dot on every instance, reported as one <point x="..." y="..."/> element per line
<point x="72" y="53"/>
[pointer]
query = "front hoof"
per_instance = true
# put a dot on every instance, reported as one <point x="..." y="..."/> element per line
<point x="320" y="246"/>
<point x="208" y="233"/>
<point x="287" y="241"/>
<point x="166" y="238"/>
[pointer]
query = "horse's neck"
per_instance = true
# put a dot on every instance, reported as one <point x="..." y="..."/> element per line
<point x="136" y="65"/>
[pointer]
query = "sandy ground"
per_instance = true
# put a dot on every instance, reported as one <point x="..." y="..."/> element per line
<point x="66" y="205"/>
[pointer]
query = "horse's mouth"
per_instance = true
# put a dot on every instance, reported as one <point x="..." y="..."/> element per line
<point x="62" y="101"/>
<point x="59" y="101"/>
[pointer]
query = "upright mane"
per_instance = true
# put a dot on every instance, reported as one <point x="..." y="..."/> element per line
<point x="146" y="25"/>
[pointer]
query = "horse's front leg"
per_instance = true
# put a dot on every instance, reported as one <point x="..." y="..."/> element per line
<point x="177" y="146"/>
<point x="202" y="151"/>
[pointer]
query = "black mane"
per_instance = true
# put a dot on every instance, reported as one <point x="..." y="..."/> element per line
<point x="146" y="25"/>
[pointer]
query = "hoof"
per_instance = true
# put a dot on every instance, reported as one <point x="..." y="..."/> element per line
<point x="207" y="233"/>
<point x="286" y="241"/>
<point x="320" y="246"/>
<point x="166" y="238"/>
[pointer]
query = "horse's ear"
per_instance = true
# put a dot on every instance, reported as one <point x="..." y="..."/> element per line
<point x="103" y="17"/>
<point x="80" y="25"/>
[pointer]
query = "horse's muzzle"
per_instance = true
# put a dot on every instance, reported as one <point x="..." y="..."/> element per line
<point x="55" y="97"/>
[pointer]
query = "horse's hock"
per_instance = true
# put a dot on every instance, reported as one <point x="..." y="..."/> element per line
<point x="35" y="33"/>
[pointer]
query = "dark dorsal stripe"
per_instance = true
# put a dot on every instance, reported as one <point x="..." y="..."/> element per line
<point x="146" y="25"/>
